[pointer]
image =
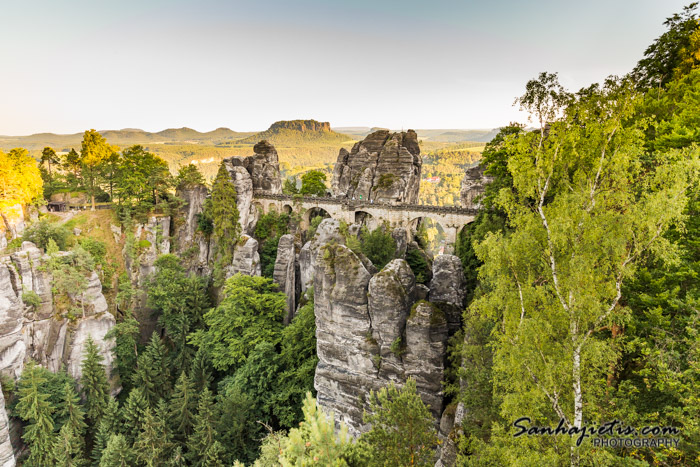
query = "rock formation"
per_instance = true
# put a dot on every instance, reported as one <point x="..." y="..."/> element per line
<point x="385" y="167"/>
<point x="447" y="289"/>
<point x="263" y="167"/>
<point x="11" y="223"/>
<point x="246" y="259"/>
<point x="40" y="333"/>
<point x="285" y="273"/>
<point x="473" y="187"/>
<point x="151" y="240"/>
<point x="189" y="243"/>
<point x="370" y="329"/>
<point x="7" y="456"/>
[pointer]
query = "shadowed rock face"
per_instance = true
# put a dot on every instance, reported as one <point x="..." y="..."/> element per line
<point x="38" y="334"/>
<point x="369" y="329"/>
<point x="473" y="187"/>
<point x="385" y="167"/>
<point x="7" y="457"/>
<point x="186" y="235"/>
<point x="286" y="268"/>
<point x="263" y="167"/>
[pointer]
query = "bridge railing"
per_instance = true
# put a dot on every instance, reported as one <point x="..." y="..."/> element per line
<point x="359" y="204"/>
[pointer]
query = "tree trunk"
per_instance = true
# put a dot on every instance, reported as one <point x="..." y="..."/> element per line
<point x="578" y="397"/>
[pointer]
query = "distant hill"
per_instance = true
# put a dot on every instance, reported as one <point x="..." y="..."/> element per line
<point x="296" y="132"/>
<point x="122" y="138"/>
<point x="438" y="135"/>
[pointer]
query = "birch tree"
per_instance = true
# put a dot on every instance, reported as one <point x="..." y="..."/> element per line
<point x="585" y="206"/>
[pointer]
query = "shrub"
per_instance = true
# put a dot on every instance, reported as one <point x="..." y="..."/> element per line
<point x="31" y="298"/>
<point x="42" y="231"/>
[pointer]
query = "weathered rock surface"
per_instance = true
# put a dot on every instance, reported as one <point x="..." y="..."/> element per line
<point x="40" y="333"/>
<point x="369" y="330"/>
<point x="447" y="288"/>
<point x="242" y="180"/>
<point x="151" y="240"/>
<point x="12" y="223"/>
<point x="246" y="259"/>
<point x="385" y="167"/>
<point x="473" y="187"/>
<point x="285" y="273"/>
<point x="263" y="167"/>
<point x="190" y="244"/>
<point x="7" y="457"/>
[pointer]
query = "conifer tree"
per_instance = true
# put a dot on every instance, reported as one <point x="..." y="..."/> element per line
<point x="203" y="435"/>
<point x="134" y="413"/>
<point x="201" y="370"/>
<point x="214" y="457"/>
<point x="35" y="409"/>
<point x="153" y="372"/>
<point x="68" y="448"/>
<point x="223" y="211"/>
<point x="72" y="411"/>
<point x="153" y="446"/>
<point x="182" y="407"/>
<point x="117" y="453"/>
<point x="94" y="383"/>
<point x="110" y="423"/>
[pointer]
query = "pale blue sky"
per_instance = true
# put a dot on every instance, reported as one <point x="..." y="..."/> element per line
<point x="72" y="65"/>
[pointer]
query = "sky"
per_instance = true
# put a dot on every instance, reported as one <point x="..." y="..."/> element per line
<point x="73" y="65"/>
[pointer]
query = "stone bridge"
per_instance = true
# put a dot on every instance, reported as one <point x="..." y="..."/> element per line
<point x="451" y="219"/>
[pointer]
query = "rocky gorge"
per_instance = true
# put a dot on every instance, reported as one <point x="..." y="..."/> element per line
<point x="374" y="326"/>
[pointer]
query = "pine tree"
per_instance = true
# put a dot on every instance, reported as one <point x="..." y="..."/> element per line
<point x="134" y="413"/>
<point x="94" y="383"/>
<point x="35" y="409"/>
<point x="201" y="370"/>
<point x="203" y="436"/>
<point x="402" y="427"/>
<point x="182" y="407"/>
<point x="72" y="411"/>
<point x="153" y="372"/>
<point x="110" y="423"/>
<point x="68" y="448"/>
<point x="223" y="211"/>
<point x="214" y="457"/>
<point x="117" y="453"/>
<point x="153" y="446"/>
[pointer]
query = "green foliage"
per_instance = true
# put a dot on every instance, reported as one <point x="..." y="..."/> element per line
<point x="126" y="335"/>
<point x="188" y="176"/>
<point x="269" y="229"/>
<point x="315" y="441"/>
<point x="183" y="405"/>
<point x="152" y="374"/>
<point x="250" y="313"/>
<point x="30" y="298"/>
<point x="110" y="424"/>
<point x="416" y="259"/>
<point x="94" y="383"/>
<point x="313" y="225"/>
<point x="42" y="231"/>
<point x="154" y="445"/>
<point x="313" y="183"/>
<point x="203" y="435"/>
<point x="402" y="430"/>
<point x="298" y="360"/>
<point x="117" y="453"/>
<point x="672" y="54"/>
<point x="95" y="152"/>
<point x="36" y="410"/>
<point x="67" y="449"/>
<point x="289" y="187"/>
<point x="378" y="245"/>
<point x="223" y="211"/>
<point x="179" y="301"/>
<point x="237" y="428"/>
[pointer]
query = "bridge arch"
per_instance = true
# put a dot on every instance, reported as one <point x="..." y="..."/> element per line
<point x="310" y="214"/>
<point x="435" y="234"/>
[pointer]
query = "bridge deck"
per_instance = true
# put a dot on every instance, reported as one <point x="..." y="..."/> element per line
<point x="357" y="205"/>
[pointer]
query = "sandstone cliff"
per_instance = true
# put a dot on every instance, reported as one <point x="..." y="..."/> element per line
<point x="39" y="332"/>
<point x="473" y="187"/>
<point x="374" y="327"/>
<point x="263" y="167"/>
<point x="7" y="456"/>
<point x="385" y="167"/>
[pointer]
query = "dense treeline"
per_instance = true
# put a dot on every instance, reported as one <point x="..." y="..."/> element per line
<point x="585" y="308"/>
